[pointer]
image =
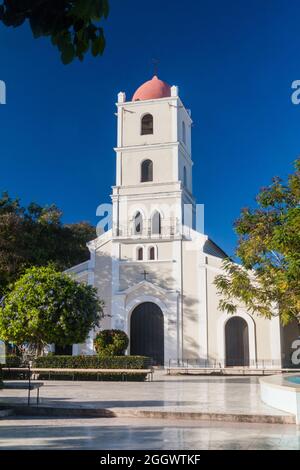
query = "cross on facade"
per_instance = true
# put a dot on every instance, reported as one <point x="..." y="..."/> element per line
<point x="145" y="274"/>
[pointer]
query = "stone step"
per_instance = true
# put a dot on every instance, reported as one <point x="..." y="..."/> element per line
<point x="69" y="411"/>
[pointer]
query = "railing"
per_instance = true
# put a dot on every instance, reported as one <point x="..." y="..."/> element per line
<point x="170" y="228"/>
<point x="197" y="363"/>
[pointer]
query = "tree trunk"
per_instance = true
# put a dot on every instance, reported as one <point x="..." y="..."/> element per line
<point x="39" y="351"/>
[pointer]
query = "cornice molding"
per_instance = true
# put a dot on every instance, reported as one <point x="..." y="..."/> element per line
<point x="147" y="196"/>
<point x="145" y="261"/>
<point x="143" y="102"/>
<point x="159" y="146"/>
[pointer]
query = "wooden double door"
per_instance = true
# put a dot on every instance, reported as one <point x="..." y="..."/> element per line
<point x="147" y="332"/>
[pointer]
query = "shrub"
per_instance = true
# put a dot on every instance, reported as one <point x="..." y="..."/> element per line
<point x="92" y="362"/>
<point x="111" y="342"/>
<point x="11" y="360"/>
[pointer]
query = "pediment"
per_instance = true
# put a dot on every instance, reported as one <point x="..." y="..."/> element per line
<point x="147" y="288"/>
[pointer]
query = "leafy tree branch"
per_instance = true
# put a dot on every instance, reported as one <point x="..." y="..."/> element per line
<point x="74" y="26"/>
<point x="268" y="280"/>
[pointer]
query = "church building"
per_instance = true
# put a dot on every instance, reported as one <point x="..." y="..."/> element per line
<point x="153" y="269"/>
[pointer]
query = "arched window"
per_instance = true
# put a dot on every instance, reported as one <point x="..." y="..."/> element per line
<point x="183" y="132"/>
<point x="184" y="176"/>
<point x="152" y="253"/>
<point x="138" y="223"/>
<point x="147" y="124"/>
<point x="147" y="171"/>
<point x="156" y="223"/>
<point x="140" y="254"/>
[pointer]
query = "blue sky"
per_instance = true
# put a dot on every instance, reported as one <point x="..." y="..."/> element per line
<point x="234" y="62"/>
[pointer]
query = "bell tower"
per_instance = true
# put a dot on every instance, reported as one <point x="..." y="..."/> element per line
<point x="154" y="165"/>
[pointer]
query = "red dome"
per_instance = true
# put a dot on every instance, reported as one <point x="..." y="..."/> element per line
<point x="152" y="90"/>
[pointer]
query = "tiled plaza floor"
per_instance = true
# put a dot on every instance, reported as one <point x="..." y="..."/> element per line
<point x="116" y="433"/>
<point x="238" y="395"/>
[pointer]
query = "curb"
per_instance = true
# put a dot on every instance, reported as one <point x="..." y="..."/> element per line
<point x="134" y="413"/>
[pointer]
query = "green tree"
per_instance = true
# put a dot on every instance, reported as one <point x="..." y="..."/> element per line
<point x="269" y="250"/>
<point x="45" y="306"/>
<point x="35" y="236"/>
<point x="74" y="26"/>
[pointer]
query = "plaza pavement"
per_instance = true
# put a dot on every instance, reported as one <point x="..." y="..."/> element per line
<point x="142" y="434"/>
<point x="199" y="397"/>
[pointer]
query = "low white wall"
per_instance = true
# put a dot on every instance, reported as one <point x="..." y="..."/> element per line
<point x="275" y="393"/>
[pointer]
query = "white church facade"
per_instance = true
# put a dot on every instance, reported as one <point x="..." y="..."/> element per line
<point x="153" y="270"/>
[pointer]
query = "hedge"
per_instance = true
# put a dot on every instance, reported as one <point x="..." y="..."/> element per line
<point x="92" y="362"/>
<point x="128" y="377"/>
<point x="81" y="362"/>
<point x="12" y="361"/>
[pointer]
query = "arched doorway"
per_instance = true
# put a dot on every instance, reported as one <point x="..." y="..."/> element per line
<point x="147" y="332"/>
<point x="236" y="342"/>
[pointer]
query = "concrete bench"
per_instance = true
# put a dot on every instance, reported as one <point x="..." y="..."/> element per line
<point x="35" y="371"/>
